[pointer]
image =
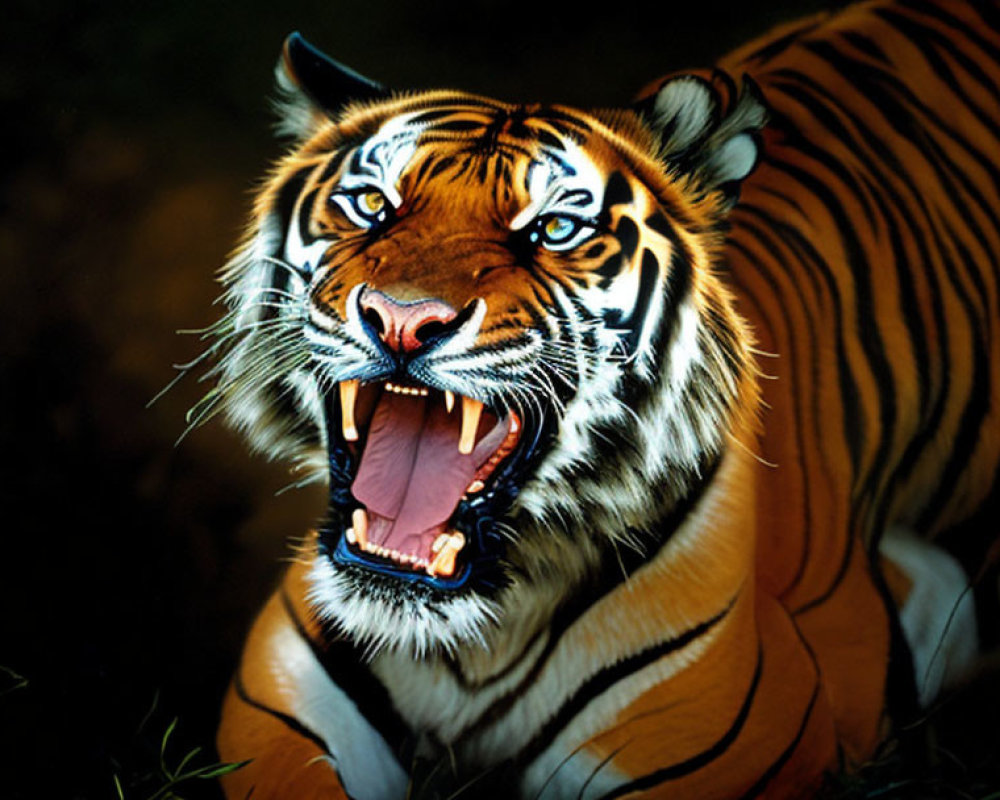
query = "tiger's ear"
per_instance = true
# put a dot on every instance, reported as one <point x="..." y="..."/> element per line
<point x="706" y="127"/>
<point x="314" y="88"/>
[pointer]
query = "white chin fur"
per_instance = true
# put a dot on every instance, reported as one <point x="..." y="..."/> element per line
<point x="410" y="625"/>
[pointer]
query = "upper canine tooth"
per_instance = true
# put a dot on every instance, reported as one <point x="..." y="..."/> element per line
<point x="471" y="410"/>
<point x="449" y="401"/>
<point x="348" y="396"/>
<point x="360" y="520"/>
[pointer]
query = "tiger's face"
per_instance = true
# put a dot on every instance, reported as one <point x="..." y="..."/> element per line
<point x="499" y="330"/>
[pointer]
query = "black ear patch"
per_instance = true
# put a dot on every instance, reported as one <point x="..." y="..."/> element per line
<point x="707" y="127"/>
<point x="328" y="83"/>
<point x="313" y="87"/>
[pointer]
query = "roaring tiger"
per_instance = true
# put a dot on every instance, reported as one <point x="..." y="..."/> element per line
<point x="637" y="423"/>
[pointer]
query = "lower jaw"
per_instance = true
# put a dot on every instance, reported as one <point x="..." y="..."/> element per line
<point x="343" y="555"/>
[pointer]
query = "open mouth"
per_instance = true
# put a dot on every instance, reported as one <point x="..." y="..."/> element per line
<point x="418" y="476"/>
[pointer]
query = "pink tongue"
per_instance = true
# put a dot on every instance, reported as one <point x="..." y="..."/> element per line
<point x="411" y="471"/>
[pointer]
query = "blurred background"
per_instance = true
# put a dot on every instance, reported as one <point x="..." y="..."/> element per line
<point x="134" y="133"/>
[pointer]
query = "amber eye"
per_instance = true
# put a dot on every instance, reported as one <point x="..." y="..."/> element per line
<point x="561" y="232"/>
<point x="366" y="207"/>
<point x="371" y="202"/>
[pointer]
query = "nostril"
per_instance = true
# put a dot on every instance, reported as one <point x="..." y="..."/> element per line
<point x="404" y="327"/>
<point x="373" y="318"/>
<point x="429" y="330"/>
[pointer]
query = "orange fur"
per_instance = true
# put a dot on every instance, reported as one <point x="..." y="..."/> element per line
<point x="777" y="609"/>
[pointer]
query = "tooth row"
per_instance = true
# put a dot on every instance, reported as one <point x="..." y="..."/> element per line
<point x="471" y="411"/>
<point x="411" y="390"/>
<point x="384" y="552"/>
<point x="445" y="548"/>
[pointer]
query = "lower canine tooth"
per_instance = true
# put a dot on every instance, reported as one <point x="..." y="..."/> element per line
<point x="360" y="520"/>
<point x="349" y="535"/>
<point x="471" y="411"/>
<point x="348" y="396"/>
<point x="444" y="561"/>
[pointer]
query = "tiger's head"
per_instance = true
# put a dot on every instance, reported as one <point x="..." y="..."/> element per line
<point x="497" y="331"/>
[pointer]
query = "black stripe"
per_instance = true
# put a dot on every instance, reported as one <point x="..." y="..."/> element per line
<point x="627" y="234"/>
<point x="425" y="117"/>
<point x="705" y="757"/>
<point x="763" y="269"/>
<point x="614" y="572"/>
<point x="678" y="279"/>
<point x="457" y="126"/>
<point x="922" y="37"/>
<point x="986" y="11"/>
<point x="344" y="664"/>
<point x="305" y="212"/>
<point x="287" y="197"/>
<point x="602" y="680"/>
<point x="865" y="45"/>
<point x="336" y="160"/>
<point x="889" y="95"/>
<point x="809" y="257"/>
<point x="773" y="770"/>
<point x="853" y="424"/>
<point x="617" y="192"/>
<point x="932" y="403"/>
<point x="977" y="407"/>
<point x="284" y="206"/>
<point x="286" y="719"/>
<point x="868" y="331"/>
<point x="894" y="100"/>
<point x="883" y="185"/>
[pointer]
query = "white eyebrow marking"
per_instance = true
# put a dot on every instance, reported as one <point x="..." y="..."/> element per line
<point x="382" y="159"/>
<point x="571" y="185"/>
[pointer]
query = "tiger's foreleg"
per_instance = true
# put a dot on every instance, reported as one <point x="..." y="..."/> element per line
<point x="303" y="735"/>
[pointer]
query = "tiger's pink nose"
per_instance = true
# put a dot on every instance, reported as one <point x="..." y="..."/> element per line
<point x="404" y="327"/>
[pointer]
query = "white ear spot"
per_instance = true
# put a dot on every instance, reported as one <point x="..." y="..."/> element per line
<point x="734" y="160"/>
<point x="298" y="117"/>
<point x="687" y="105"/>
<point x="707" y="130"/>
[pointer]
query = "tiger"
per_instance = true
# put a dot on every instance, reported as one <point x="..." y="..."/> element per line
<point x="643" y="427"/>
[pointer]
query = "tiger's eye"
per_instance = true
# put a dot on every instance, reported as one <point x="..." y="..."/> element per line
<point x="558" y="228"/>
<point x="372" y="202"/>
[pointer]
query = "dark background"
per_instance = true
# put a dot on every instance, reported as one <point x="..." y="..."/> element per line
<point x="133" y="135"/>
